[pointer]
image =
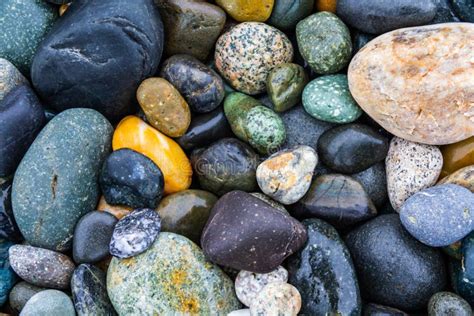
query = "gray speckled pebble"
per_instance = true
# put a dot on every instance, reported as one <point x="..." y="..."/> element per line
<point x="448" y="304"/>
<point x="410" y="168"/>
<point x="21" y="293"/>
<point x="277" y="299"/>
<point x="10" y="77"/>
<point x="49" y="303"/>
<point x="440" y="215"/>
<point x="41" y="267"/>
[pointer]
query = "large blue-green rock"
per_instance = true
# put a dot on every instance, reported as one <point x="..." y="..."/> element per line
<point x="57" y="180"/>
<point x="7" y="276"/>
<point x="23" y="25"/>
<point x="49" y="303"/>
<point x="170" y="278"/>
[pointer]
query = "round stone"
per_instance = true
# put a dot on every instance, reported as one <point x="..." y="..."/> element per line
<point x="10" y="77"/>
<point x="135" y="233"/>
<point x="164" y="107"/>
<point x="236" y="107"/>
<point x="463" y="177"/>
<point x="243" y="10"/>
<point x="41" y="267"/>
<point x="285" y="85"/>
<point x="249" y="284"/>
<point x="20" y="294"/>
<point x="92" y="237"/>
<point x="457" y="156"/>
<point x="286" y="175"/>
<point x="425" y="94"/>
<point x="277" y="299"/>
<point x="446" y="303"/>
<point x="421" y="214"/>
<point x="172" y="277"/>
<point x="374" y="181"/>
<point x="286" y="14"/>
<point x="411" y="167"/>
<point x="247" y="53"/>
<point x="131" y="179"/>
<point x="49" y="303"/>
<point x="328" y="98"/>
<point x="324" y="42"/>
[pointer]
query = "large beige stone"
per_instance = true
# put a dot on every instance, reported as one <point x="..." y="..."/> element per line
<point x="418" y="83"/>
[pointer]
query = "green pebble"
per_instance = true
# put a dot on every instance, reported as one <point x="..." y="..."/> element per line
<point x="236" y="107"/>
<point x="265" y="129"/>
<point x="324" y="42"/>
<point x="286" y="14"/>
<point x="328" y="98"/>
<point x="285" y="84"/>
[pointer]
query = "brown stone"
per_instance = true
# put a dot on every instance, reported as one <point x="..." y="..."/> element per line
<point x="463" y="177"/>
<point x="418" y="83"/>
<point x="457" y="156"/>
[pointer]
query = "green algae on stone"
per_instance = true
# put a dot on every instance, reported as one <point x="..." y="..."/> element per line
<point x="24" y="24"/>
<point x="171" y="278"/>
<point x="285" y="84"/>
<point x="236" y="107"/>
<point x="324" y="42"/>
<point x="265" y="129"/>
<point x="328" y="98"/>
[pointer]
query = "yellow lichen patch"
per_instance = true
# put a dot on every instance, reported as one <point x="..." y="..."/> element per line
<point x="178" y="277"/>
<point x="129" y="261"/>
<point x="279" y="162"/>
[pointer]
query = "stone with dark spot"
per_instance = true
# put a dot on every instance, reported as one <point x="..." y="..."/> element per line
<point x="381" y="310"/>
<point x="446" y="303"/>
<point x="95" y="44"/>
<point x="135" y="233"/>
<point x="324" y="274"/>
<point x="393" y="268"/>
<point x="374" y="181"/>
<point x="131" y="179"/>
<point x="20" y="294"/>
<point x="41" y="267"/>
<point x="352" y="148"/>
<point x="381" y="16"/>
<point x="89" y="291"/>
<point x="245" y="233"/>
<point x="200" y="86"/>
<point x="421" y="214"/>
<point x="338" y="199"/>
<point x="56" y="182"/>
<point x="21" y="119"/>
<point x="8" y="227"/>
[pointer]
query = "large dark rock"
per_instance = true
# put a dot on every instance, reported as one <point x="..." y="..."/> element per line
<point x="97" y="55"/>
<point x="393" y="268"/>
<point x="246" y="233"/>
<point x="324" y="274"/>
<point x="21" y="119"/>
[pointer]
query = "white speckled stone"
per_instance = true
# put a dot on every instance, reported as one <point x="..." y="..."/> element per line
<point x="411" y="167"/>
<point x="277" y="299"/>
<point x="249" y="284"/>
<point x="286" y="175"/>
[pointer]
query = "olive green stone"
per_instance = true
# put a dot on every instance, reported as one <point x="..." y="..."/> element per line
<point x="324" y="42"/>
<point x="287" y="13"/>
<point x="328" y="98"/>
<point x="186" y="212"/>
<point x="171" y="278"/>
<point x="285" y="84"/>
<point x="23" y="25"/>
<point x="446" y="304"/>
<point x="236" y="107"/>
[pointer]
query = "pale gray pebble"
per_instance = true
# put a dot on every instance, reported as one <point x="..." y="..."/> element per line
<point x="240" y="312"/>
<point x="49" y="303"/>
<point x="277" y="299"/>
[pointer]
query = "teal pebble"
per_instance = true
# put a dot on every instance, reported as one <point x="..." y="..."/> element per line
<point x="328" y="98"/>
<point x="7" y="276"/>
<point x="265" y="129"/>
<point x="49" y="303"/>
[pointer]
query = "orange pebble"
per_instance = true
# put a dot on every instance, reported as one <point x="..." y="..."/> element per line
<point x="118" y="211"/>
<point x="326" y="5"/>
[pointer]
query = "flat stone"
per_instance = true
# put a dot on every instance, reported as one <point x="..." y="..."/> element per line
<point x="352" y="148"/>
<point x="20" y="294"/>
<point x="89" y="292"/>
<point x="172" y="277"/>
<point x="421" y="214"/>
<point x="201" y="87"/>
<point x="463" y="177"/>
<point x="286" y="14"/>
<point x="277" y="299"/>
<point x="324" y="42"/>
<point x="249" y="284"/>
<point x="56" y="182"/>
<point x="286" y="175"/>
<point x="7" y="276"/>
<point x="191" y="27"/>
<point x="377" y="17"/>
<point x="131" y="179"/>
<point x="285" y="85"/>
<point x="374" y="181"/>
<point x="245" y="233"/>
<point x="430" y="107"/>
<point x="92" y="236"/>
<point x="94" y="45"/>
<point x="8" y="227"/>
<point x="324" y="274"/>
<point x="247" y="53"/>
<point x="393" y="268"/>
<point x="41" y="267"/>
<point x="243" y="10"/>
<point x="328" y="98"/>
<point x="457" y="156"/>
<point x="49" y="303"/>
<point x="10" y="77"/>
<point x="411" y="167"/>
<point x="446" y="303"/>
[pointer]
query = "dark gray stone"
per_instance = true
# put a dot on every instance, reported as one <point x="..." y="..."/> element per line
<point x="374" y="181"/>
<point x="8" y="226"/>
<point x="21" y="293"/>
<point x="447" y="304"/>
<point x="444" y="12"/>
<point x="380" y="310"/>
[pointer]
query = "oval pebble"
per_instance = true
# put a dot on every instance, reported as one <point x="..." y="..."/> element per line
<point x="49" y="303"/>
<point x="277" y="299"/>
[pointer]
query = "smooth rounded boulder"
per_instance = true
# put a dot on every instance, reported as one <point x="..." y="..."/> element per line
<point x="424" y="94"/>
<point x="94" y="44"/>
<point x="56" y="182"/>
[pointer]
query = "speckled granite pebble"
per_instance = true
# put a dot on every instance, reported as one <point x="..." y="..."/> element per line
<point x="248" y="52"/>
<point x="49" y="303"/>
<point x="410" y="167"/>
<point x="446" y="303"/>
<point x="249" y="284"/>
<point x="10" y="77"/>
<point x="20" y="294"/>
<point x="421" y="214"/>
<point x="286" y="175"/>
<point x="172" y="277"/>
<point x="41" y="267"/>
<point x="277" y="299"/>
<point x="135" y="233"/>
